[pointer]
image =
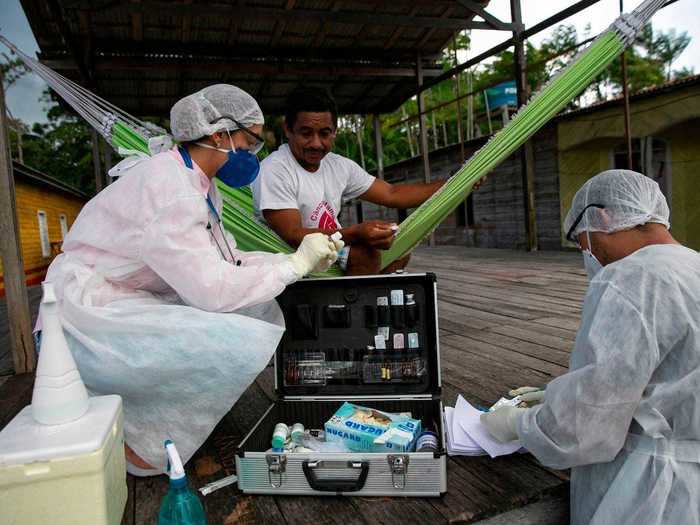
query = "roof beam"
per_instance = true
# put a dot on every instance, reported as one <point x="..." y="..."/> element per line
<point x="548" y="22"/>
<point x="280" y="25"/>
<point x="197" y="49"/>
<point x="397" y="32"/>
<point x="323" y="29"/>
<point x="187" y="25"/>
<point x="136" y="24"/>
<point x="235" y="24"/>
<point x="248" y="67"/>
<point x="65" y="34"/>
<point x="492" y="21"/>
<point x="344" y="17"/>
<point x="430" y="32"/>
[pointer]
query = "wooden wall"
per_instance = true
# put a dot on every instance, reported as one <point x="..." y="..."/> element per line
<point x="30" y="198"/>
<point x="499" y="219"/>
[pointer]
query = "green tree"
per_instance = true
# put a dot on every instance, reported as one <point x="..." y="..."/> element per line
<point x="649" y="62"/>
<point x="61" y="147"/>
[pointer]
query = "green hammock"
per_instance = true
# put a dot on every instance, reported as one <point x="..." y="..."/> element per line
<point x="128" y="135"/>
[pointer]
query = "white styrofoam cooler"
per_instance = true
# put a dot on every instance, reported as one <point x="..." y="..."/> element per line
<point x="74" y="473"/>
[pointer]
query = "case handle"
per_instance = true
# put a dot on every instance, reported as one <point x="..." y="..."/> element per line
<point x="336" y="485"/>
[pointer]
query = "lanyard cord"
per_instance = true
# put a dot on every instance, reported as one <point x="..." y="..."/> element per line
<point x="188" y="162"/>
<point x="221" y="230"/>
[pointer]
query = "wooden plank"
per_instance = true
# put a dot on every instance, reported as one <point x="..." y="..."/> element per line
<point x="398" y="510"/>
<point x="266" y="382"/>
<point x="550" y="510"/>
<point x="460" y="346"/>
<point x="21" y="341"/>
<point x="148" y="495"/>
<point x="15" y="394"/>
<point x="540" y="285"/>
<point x="491" y="383"/>
<point x="523" y="347"/>
<point x="128" y="516"/>
<point x="492" y="319"/>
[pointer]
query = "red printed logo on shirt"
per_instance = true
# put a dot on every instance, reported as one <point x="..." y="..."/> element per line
<point x="325" y="215"/>
<point x="327" y="222"/>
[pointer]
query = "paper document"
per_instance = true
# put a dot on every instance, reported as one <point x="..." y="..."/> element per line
<point x="467" y="436"/>
<point x="461" y="444"/>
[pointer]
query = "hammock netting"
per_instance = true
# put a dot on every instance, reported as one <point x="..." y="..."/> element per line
<point x="129" y="135"/>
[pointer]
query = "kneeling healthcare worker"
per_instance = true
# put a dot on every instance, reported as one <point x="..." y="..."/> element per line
<point x="156" y="302"/>
<point x="626" y="417"/>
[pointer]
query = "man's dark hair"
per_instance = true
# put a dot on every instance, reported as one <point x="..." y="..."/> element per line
<point x="311" y="99"/>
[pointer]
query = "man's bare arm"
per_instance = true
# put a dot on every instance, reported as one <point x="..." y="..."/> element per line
<point x="287" y="224"/>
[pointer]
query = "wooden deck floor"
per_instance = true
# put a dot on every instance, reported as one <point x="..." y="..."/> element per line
<point x="506" y="319"/>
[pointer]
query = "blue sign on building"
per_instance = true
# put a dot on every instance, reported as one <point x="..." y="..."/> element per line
<point x="503" y="94"/>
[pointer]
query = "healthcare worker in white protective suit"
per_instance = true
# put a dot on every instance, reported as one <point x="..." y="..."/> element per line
<point x="157" y="303"/>
<point x="626" y="417"/>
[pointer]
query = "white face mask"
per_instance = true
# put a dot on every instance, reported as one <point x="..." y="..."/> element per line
<point x="590" y="261"/>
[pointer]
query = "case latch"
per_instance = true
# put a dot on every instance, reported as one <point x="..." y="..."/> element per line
<point x="399" y="468"/>
<point x="276" y="466"/>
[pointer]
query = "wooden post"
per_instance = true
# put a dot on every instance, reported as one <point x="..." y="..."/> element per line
<point x="527" y="151"/>
<point x="488" y="111"/>
<point x="377" y="123"/>
<point x="626" y="98"/>
<point x="458" y="94"/>
<point x="423" y="134"/>
<point x="99" y="180"/>
<point x="19" y="317"/>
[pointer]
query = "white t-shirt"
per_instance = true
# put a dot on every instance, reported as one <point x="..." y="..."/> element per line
<point x="284" y="184"/>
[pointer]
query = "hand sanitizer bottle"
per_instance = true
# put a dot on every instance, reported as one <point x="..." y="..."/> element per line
<point x="180" y="505"/>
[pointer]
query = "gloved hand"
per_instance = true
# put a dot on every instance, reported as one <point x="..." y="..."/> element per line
<point x="502" y="423"/>
<point x="316" y="253"/>
<point x="530" y="395"/>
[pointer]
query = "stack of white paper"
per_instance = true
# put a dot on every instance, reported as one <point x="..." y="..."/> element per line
<point x="467" y="436"/>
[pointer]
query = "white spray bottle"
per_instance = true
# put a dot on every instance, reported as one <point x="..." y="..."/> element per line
<point x="59" y="393"/>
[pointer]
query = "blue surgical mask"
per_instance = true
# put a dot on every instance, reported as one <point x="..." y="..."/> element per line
<point x="240" y="169"/>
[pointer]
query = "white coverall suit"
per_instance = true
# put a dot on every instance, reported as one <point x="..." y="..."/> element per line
<point x="626" y="418"/>
<point x="145" y="298"/>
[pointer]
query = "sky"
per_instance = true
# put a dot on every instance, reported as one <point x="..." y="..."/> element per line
<point x="684" y="15"/>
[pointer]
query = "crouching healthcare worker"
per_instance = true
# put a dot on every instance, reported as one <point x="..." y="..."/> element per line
<point x="626" y="417"/>
<point x="157" y="303"/>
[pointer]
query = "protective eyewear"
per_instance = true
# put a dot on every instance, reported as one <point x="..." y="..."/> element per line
<point x="570" y="233"/>
<point x="259" y="141"/>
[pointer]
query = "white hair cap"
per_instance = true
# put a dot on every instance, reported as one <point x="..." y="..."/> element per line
<point x="616" y="200"/>
<point x="204" y="112"/>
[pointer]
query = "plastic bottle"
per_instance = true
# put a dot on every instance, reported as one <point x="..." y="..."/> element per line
<point x="180" y="505"/>
<point x="59" y="393"/>
<point x="279" y="435"/>
<point x="297" y="433"/>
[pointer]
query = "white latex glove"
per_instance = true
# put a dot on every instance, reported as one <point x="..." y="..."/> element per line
<point x="531" y="395"/>
<point x="502" y="423"/>
<point x="316" y="253"/>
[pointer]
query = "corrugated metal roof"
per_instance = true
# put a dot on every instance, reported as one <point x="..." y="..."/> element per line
<point x="22" y="170"/>
<point x="650" y="91"/>
<point x="144" y="55"/>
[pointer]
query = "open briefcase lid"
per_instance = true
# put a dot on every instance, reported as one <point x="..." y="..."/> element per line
<point x="355" y="337"/>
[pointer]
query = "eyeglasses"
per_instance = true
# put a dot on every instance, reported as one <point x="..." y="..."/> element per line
<point x="569" y="234"/>
<point x="259" y="141"/>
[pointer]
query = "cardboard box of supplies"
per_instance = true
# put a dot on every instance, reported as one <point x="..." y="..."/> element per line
<point x="357" y="378"/>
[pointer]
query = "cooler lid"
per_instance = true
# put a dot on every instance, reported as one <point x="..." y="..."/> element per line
<point x="24" y="440"/>
<point x="337" y="326"/>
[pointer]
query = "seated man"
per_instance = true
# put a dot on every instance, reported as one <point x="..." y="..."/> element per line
<point x="303" y="184"/>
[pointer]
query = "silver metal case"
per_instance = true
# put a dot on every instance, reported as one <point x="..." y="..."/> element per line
<point x="416" y="474"/>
